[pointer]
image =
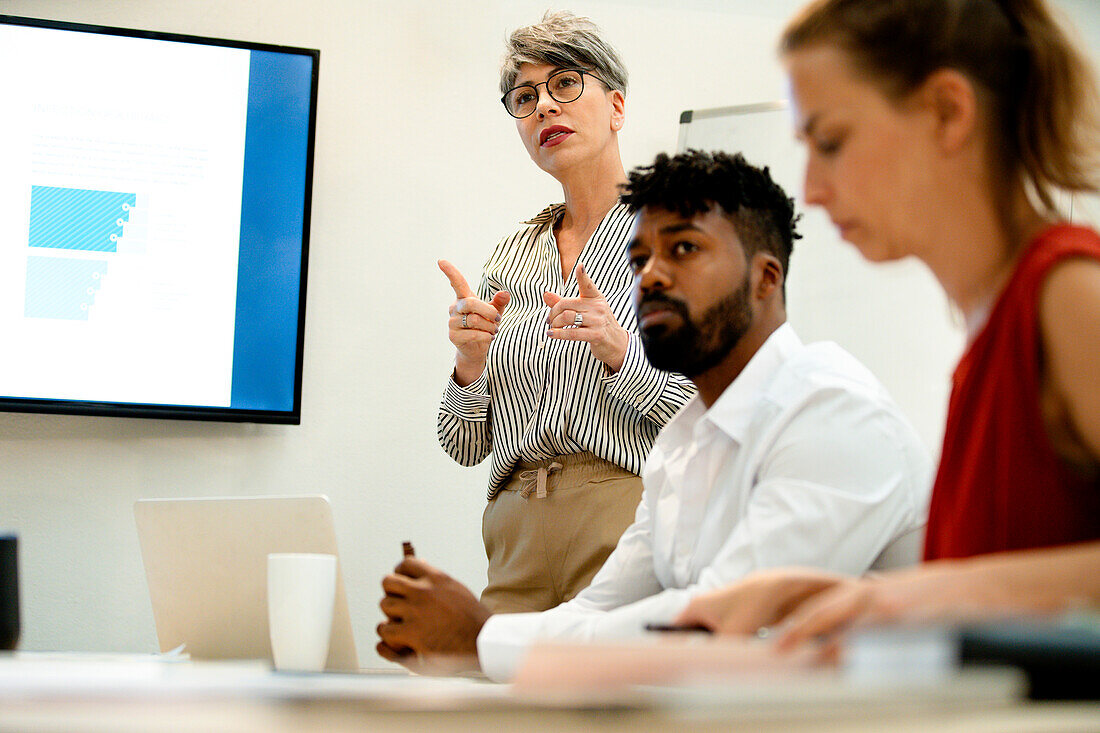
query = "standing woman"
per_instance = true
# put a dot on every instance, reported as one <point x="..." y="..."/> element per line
<point x="943" y="129"/>
<point x="550" y="376"/>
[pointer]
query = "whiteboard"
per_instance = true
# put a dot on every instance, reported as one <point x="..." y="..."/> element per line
<point x="894" y="317"/>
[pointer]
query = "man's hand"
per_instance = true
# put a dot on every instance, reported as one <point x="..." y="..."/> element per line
<point x="432" y="620"/>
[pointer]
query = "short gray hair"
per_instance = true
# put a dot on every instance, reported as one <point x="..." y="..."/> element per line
<point x="565" y="40"/>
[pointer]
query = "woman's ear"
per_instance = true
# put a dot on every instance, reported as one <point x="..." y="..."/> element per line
<point x="953" y="101"/>
<point x="618" y="110"/>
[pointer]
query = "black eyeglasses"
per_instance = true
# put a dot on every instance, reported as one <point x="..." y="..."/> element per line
<point x="563" y="86"/>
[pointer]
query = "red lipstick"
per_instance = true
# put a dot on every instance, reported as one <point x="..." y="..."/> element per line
<point x="553" y="135"/>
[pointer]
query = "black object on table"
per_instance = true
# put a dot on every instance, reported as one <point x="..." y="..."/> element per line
<point x="1061" y="659"/>
<point x="9" y="592"/>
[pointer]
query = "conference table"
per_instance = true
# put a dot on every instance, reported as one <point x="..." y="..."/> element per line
<point x="104" y="692"/>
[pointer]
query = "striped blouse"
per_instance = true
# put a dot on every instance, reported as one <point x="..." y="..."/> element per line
<point x="540" y="397"/>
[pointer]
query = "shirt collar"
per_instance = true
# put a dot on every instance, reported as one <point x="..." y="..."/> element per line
<point x="552" y="212"/>
<point x="736" y="407"/>
<point x="547" y="215"/>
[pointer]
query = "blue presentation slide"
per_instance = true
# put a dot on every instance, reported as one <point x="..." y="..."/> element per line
<point x="152" y="200"/>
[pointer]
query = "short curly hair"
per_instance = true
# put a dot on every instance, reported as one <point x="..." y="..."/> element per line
<point x="691" y="183"/>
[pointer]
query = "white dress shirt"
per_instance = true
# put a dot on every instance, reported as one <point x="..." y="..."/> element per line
<point x="804" y="460"/>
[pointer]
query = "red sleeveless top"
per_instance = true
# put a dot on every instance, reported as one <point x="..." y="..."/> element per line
<point x="1000" y="485"/>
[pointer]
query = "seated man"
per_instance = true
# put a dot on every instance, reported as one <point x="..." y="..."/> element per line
<point x="789" y="454"/>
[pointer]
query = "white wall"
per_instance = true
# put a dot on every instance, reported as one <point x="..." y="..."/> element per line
<point x="415" y="160"/>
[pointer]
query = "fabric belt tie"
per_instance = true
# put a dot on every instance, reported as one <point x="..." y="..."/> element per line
<point x="535" y="479"/>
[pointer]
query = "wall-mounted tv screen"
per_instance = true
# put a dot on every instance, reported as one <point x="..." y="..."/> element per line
<point x="154" y="222"/>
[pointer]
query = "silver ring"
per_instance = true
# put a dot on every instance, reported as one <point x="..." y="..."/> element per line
<point x="464" y="324"/>
<point x="578" y="320"/>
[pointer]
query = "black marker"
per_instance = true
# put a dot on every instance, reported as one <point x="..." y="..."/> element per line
<point x="673" y="628"/>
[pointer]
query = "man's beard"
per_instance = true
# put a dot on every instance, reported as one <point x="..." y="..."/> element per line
<point x="696" y="347"/>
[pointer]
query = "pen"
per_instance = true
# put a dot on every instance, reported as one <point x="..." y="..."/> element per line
<point x="677" y="628"/>
<point x="407" y="549"/>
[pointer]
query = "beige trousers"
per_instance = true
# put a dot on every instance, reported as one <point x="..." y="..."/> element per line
<point x="550" y="528"/>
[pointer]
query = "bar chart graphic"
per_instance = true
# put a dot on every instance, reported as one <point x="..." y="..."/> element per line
<point x="62" y="288"/>
<point x="78" y="219"/>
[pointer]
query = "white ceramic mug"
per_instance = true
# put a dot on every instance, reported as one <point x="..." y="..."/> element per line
<point x="301" y="593"/>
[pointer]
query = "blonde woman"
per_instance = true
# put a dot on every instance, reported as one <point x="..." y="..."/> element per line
<point x="941" y="129"/>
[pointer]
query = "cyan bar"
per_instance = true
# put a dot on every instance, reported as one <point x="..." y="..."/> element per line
<point x="62" y="288"/>
<point x="77" y="218"/>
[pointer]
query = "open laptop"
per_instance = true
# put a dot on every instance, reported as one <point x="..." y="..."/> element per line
<point x="206" y="565"/>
